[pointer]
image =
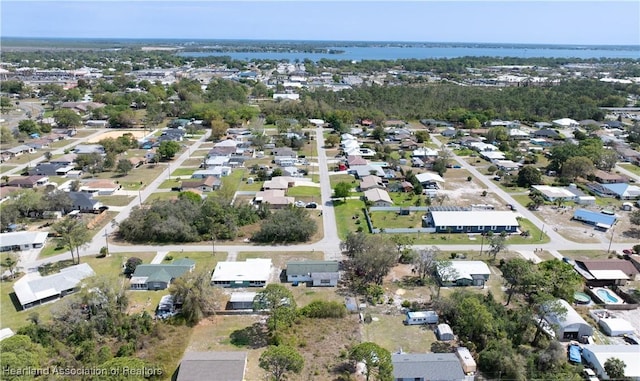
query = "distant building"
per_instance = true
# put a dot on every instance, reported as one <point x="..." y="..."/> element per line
<point x="426" y="367"/>
<point x="212" y="366"/>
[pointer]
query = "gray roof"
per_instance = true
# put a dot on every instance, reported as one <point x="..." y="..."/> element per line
<point x="212" y="366"/>
<point x="431" y="366"/>
<point x="29" y="290"/>
<point x="84" y="200"/>
<point x="174" y="270"/>
<point x="308" y="267"/>
<point x="22" y="238"/>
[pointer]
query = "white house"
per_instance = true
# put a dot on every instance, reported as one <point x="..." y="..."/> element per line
<point x="378" y="197"/>
<point x="24" y="240"/>
<point x="567" y="324"/>
<point x="464" y="273"/>
<point x="254" y="272"/>
<point x="33" y="289"/>
<point x="597" y="355"/>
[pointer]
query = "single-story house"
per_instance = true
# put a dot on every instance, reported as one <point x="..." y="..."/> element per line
<point x="64" y="160"/>
<point x="546" y="133"/>
<point x="356" y="160"/>
<point x="29" y="181"/>
<point x="208" y="184"/>
<point x="279" y="182"/>
<point x="84" y="201"/>
<point x="444" y="332"/>
<point x="424" y="152"/>
<point x="599" y="220"/>
<point x="606" y="272"/>
<point x="241" y="300"/>
<point x="624" y="191"/>
<point x="17" y="151"/>
<point x="603" y="177"/>
<point x="597" y="356"/>
<point x="426" y="367"/>
<point x="483" y="147"/>
<point x="492" y="156"/>
<point x="566" y="122"/>
<point x="361" y="171"/>
<point x="567" y="324"/>
<point x="507" y="165"/>
<point x="284" y="152"/>
<point x="32" y="289"/>
<point x="378" y="197"/>
<point x="50" y="169"/>
<point x="371" y="182"/>
<point x="429" y="180"/>
<point x="101" y="187"/>
<point x="212" y="171"/>
<point x="212" y="366"/>
<point x="472" y="221"/>
<point x="24" y="240"/>
<point x="318" y="273"/>
<point x="159" y="276"/>
<point x="274" y="197"/>
<point x="464" y="273"/>
<point x="253" y="272"/>
<point x="88" y="149"/>
<point x="285" y="161"/>
<point x="552" y="194"/>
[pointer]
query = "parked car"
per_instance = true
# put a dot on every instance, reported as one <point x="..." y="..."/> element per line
<point x="628" y="251"/>
<point x="589" y="375"/>
<point x="311" y="205"/>
<point x="300" y="204"/>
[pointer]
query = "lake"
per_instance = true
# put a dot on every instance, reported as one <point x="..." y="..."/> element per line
<point x="357" y="53"/>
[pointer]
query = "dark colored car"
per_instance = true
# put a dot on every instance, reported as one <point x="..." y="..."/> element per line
<point x="311" y="205"/>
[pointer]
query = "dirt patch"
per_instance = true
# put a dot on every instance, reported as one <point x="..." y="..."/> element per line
<point x="138" y="134"/>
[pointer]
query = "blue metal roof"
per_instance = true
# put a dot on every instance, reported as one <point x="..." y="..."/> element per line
<point x="617" y="188"/>
<point x="594" y="217"/>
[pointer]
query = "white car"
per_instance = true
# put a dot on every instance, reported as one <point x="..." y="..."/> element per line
<point x="589" y="374"/>
<point x="300" y="204"/>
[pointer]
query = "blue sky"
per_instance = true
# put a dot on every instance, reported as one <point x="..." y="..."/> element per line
<point x="545" y="22"/>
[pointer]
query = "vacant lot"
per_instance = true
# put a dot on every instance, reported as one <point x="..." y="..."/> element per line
<point x="138" y="134"/>
<point x="389" y="332"/>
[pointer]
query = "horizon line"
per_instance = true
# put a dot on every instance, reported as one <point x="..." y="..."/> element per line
<point x="306" y="40"/>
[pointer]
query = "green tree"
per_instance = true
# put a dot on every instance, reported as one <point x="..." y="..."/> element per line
<point x="74" y="234"/>
<point x="5" y="135"/>
<point x="528" y="176"/>
<point x="497" y="243"/>
<point x="66" y="118"/>
<point x="28" y="127"/>
<point x="199" y="300"/>
<point x="286" y="225"/>
<point x="124" y="166"/>
<point x="20" y="352"/>
<point x="279" y="301"/>
<point x="10" y="261"/>
<point x="614" y="367"/>
<point x="370" y="257"/>
<point x="379" y="133"/>
<point x="280" y="360"/>
<point x="497" y="134"/>
<point x="342" y="190"/>
<point x="377" y="361"/>
<point x="422" y="136"/>
<point x="634" y="217"/>
<point x="577" y="166"/>
<point x="332" y="140"/>
<point x="218" y="129"/>
<point x="519" y="274"/>
<point x="537" y="199"/>
<point x="168" y="149"/>
<point x="113" y="369"/>
<point x="424" y="263"/>
<point x="472" y="124"/>
<point x="559" y="279"/>
<point x="130" y="265"/>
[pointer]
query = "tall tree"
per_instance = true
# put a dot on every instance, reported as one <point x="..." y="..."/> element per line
<point x="519" y="274"/>
<point x="280" y="303"/>
<point x="370" y="258"/>
<point x="614" y="367"/>
<point x="199" y="300"/>
<point x="497" y="243"/>
<point x="280" y="360"/>
<point x="168" y="149"/>
<point x="377" y="361"/>
<point x="577" y="166"/>
<point x="528" y="176"/>
<point x="342" y="190"/>
<point x="124" y="166"/>
<point x="66" y="118"/>
<point x="74" y="234"/>
<point x="10" y="261"/>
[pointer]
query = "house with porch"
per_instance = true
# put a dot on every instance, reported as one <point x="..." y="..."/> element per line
<point x="23" y="240"/>
<point x="159" y="276"/>
<point x="316" y="273"/>
<point x="378" y="197"/>
<point x="253" y="272"/>
<point x="471" y="221"/>
<point x="464" y="273"/>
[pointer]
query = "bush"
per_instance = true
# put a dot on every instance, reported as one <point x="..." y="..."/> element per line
<point x="168" y="258"/>
<point x="406" y="304"/>
<point x="322" y="309"/>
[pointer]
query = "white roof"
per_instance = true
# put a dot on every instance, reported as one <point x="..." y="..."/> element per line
<point x="426" y="176"/>
<point x="376" y="194"/>
<point x="425" y="151"/>
<point x="22" y="238"/>
<point x="554" y="192"/>
<point x="627" y="353"/>
<point x="567" y="122"/>
<point x="474" y="218"/>
<point x="29" y="290"/>
<point x="253" y="269"/>
<point x="493" y="155"/>
<point x="421" y="314"/>
<point x="571" y="317"/>
<point x="238" y="297"/>
<point x="227" y="143"/>
<point x="5" y="333"/>
<point x="463" y="270"/>
<point x="608" y="274"/>
<point x="617" y="326"/>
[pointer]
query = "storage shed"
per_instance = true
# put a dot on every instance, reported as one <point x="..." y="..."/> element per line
<point x="241" y="300"/>
<point x="616" y="327"/>
<point x="421" y="317"/>
<point x="467" y="361"/>
<point x="444" y="332"/>
<point x="568" y="325"/>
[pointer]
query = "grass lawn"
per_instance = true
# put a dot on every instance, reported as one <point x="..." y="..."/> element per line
<point x="345" y="211"/>
<point x="631" y="168"/>
<point x="385" y="220"/>
<point x="183" y="172"/>
<point x="255" y="186"/>
<point x="205" y="260"/>
<point x="6" y="168"/>
<point x="136" y="179"/>
<point x="115" y="200"/>
<point x="161" y="196"/>
<point x="389" y="332"/>
<point x="405" y="198"/>
<point x="234" y="179"/>
<point x="584" y="254"/>
<point x="192" y="163"/>
<point x="304" y="191"/>
<point x="522" y="199"/>
<point x="168" y="184"/>
<point x="280" y="259"/>
<point x="12" y="316"/>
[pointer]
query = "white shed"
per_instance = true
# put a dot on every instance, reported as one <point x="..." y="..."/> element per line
<point x="568" y="325"/>
<point x="467" y="361"/>
<point x="444" y="332"/>
<point x="616" y="326"/>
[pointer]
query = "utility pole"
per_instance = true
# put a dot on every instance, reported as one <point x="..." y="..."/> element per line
<point x="213" y="244"/>
<point x="610" y="241"/>
<point x="106" y="238"/>
<point x="541" y="232"/>
<point x="481" y="243"/>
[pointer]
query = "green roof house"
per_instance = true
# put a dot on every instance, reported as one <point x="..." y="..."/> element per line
<point x="317" y="273"/>
<point x="160" y="276"/>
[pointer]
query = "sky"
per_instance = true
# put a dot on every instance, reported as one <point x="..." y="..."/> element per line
<point x="540" y="22"/>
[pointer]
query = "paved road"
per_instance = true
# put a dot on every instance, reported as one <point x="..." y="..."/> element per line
<point x="628" y="173"/>
<point x="19" y="113"/>
<point x="331" y="242"/>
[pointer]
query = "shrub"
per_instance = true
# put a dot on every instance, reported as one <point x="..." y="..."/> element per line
<point x="323" y="309"/>
<point x="406" y="304"/>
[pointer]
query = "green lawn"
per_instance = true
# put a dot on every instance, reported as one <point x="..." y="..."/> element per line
<point x="343" y="178"/>
<point x="6" y="168"/>
<point x="205" y="260"/>
<point x="304" y="191"/>
<point x="522" y="199"/>
<point x="345" y="211"/>
<point x="168" y="184"/>
<point x="115" y="200"/>
<point x="584" y="254"/>
<point x="405" y="198"/>
<point x="280" y="259"/>
<point x="631" y="168"/>
<point x="136" y="179"/>
<point x="255" y="186"/>
<point x="385" y="220"/>
<point x="234" y="179"/>
<point x="161" y="196"/>
<point x="183" y="172"/>
<point x="389" y="332"/>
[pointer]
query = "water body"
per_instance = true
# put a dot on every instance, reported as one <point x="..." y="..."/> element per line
<point x="357" y="53"/>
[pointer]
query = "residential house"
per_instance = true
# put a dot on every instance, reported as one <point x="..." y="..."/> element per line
<point x="279" y="182"/>
<point x="217" y="172"/>
<point x="285" y="161"/>
<point x="88" y="149"/>
<point x="24" y="240"/>
<point x="29" y="181"/>
<point x="100" y="187"/>
<point x="430" y="180"/>
<point x="317" y="273"/>
<point x="542" y="125"/>
<point x="427" y="367"/>
<point x="50" y="169"/>
<point x="464" y="273"/>
<point x="492" y="156"/>
<point x="567" y="324"/>
<point x="82" y="107"/>
<point x="607" y="272"/>
<point x="507" y="165"/>
<point x="212" y="366"/>
<point x="253" y="272"/>
<point x="483" y="147"/>
<point x="241" y="301"/>
<point x="629" y="155"/>
<point x="38" y="144"/>
<point x="603" y="177"/>
<point x="33" y="289"/>
<point x="159" y="276"/>
<point x="624" y="191"/>
<point x="274" y="198"/>
<point x="17" y="151"/>
<point x="356" y="160"/>
<point x="7" y="191"/>
<point x="597" y="355"/>
<point x="371" y="182"/>
<point x="208" y="184"/>
<point x="551" y="193"/>
<point x="378" y="197"/>
<point x="565" y="123"/>
<point x="284" y="152"/>
<point x="471" y="221"/>
<point x="424" y="152"/>
<point x="449" y="132"/>
<point x="84" y="201"/>
<point x="362" y="171"/>
<point x="599" y="220"/>
<point x="546" y="133"/>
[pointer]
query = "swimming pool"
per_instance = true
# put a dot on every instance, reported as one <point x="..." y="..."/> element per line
<point x="607" y="296"/>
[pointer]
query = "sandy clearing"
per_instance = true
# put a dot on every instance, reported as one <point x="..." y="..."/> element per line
<point x="138" y="134"/>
